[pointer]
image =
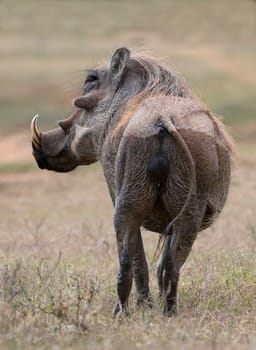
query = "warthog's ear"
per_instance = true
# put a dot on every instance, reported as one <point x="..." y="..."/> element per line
<point x="118" y="64"/>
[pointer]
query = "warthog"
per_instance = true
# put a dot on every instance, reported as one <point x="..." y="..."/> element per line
<point x="166" y="159"/>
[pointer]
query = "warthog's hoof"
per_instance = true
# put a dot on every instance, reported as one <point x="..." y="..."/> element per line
<point x="145" y="301"/>
<point x="119" y="310"/>
<point x="170" y="310"/>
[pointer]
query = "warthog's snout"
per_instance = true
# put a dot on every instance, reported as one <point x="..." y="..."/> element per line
<point x="51" y="149"/>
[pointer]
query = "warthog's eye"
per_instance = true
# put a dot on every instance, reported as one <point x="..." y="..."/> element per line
<point x="91" y="77"/>
<point x="91" y="82"/>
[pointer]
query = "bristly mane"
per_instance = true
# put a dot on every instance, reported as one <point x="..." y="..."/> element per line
<point x="160" y="80"/>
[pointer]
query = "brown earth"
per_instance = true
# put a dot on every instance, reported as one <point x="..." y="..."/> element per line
<point x="15" y="147"/>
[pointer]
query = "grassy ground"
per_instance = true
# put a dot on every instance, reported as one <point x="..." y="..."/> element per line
<point x="59" y="264"/>
<point x="58" y="259"/>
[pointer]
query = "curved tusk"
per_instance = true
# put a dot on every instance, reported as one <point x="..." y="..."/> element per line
<point x="35" y="133"/>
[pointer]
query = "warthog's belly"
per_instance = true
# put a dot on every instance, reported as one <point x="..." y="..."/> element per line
<point x="159" y="218"/>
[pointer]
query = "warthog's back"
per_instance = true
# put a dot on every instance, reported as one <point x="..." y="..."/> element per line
<point x="186" y="113"/>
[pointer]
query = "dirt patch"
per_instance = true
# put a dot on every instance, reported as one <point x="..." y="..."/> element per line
<point x="15" y="147"/>
<point x="21" y="178"/>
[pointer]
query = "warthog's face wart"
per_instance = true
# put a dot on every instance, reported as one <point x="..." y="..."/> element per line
<point x="78" y="137"/>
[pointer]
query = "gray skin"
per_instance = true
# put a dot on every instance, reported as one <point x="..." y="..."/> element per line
<point x="166" y="159"/>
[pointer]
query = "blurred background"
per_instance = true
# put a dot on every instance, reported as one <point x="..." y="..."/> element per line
<point x="46" y="46"/>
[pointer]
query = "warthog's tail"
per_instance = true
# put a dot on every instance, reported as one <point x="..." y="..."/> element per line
<point x="177" y="136"/>
<point x="169" y="125"/>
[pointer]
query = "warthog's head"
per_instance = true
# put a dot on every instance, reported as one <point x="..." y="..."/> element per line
<point x="75" y="140"/>
<point x="78" y="139"/>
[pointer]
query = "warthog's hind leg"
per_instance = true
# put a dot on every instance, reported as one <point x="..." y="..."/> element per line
<point x="141" y="275"/>
<point x="176" y="250"/>
<point x="168" y="275"/>
<point x="127" y="229"/>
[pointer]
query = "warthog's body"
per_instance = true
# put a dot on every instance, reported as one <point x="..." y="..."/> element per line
<point x="165" y="157"/>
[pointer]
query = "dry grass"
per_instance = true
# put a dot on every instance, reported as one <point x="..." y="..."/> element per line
<point x="64" y="300"/>
<point x="46" y="302"/>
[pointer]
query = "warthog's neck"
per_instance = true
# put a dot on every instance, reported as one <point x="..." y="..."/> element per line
<point x="107" y="122"/>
